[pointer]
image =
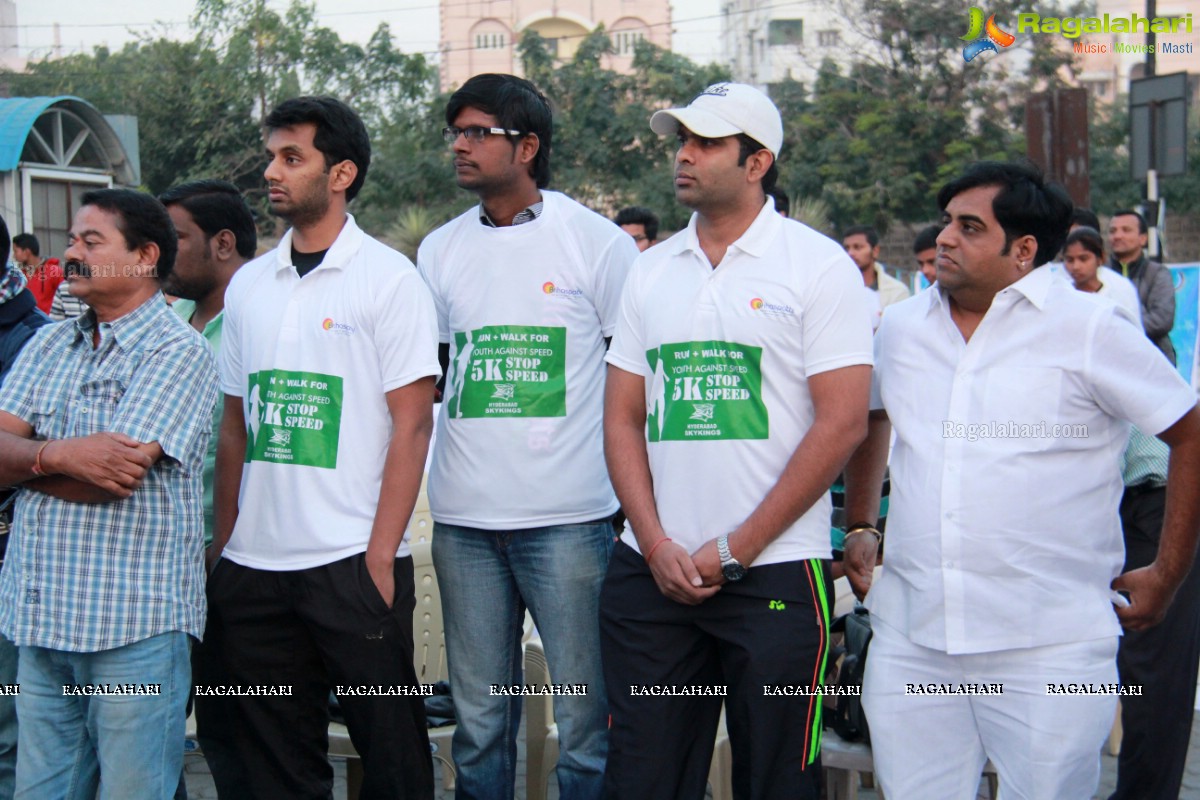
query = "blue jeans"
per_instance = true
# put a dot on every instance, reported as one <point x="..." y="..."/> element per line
<point x="8" y="719"/>
<point x="487" y="579"/>
<point x="135" y="742"/>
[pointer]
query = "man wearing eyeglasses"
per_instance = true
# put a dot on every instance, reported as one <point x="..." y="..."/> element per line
<point x="526" y="286"/>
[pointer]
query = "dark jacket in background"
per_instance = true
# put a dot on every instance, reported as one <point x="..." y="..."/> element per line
<point x="1156" y="292"/>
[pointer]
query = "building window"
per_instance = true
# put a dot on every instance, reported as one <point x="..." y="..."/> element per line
<point x="625" y="42"/>
<point x="1097" y="88"/>
<point x="829" y="38"/>
<point x="785" y="32"/>
<point x="489" y="41"/>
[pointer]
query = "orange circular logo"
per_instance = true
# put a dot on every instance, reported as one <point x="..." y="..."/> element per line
<point x="756" y="303"/>
<point x="548" y="287"/>
<point x="327" y="324"/>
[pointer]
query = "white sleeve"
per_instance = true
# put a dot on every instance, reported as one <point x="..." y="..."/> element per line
<point x="427" y="267"/>
<point x="1129" y="377"/>
<point x="612" y="269"/>
<point x="837" y="322"/>
<point x="628" y="350"/>
<point x="406" y="332"/>
<point x="882" y="337"/>
<point x="229" y="359"/>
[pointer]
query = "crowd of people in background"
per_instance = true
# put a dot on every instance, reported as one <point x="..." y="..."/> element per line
<point x="214" y="492"/>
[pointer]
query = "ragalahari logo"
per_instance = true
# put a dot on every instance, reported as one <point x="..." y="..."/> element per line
<point x="994" y="37"/>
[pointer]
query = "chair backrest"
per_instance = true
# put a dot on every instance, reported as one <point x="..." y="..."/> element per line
<point x="539" y="710"/>
<point x="429" y="631"/>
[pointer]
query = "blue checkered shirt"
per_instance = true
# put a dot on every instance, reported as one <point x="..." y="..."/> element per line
<point x="85" y="577"/>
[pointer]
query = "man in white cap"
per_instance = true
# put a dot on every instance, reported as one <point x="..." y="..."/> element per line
<point x="737" y="388"/>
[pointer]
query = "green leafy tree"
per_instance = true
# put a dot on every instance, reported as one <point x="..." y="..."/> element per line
<point x="604" y="153"/>
<point x="877" y="139"/>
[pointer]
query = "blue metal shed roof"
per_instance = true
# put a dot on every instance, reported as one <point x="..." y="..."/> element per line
<point x="17" y="115"/>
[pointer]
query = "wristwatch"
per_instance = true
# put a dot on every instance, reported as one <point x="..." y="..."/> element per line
<point x="730" y="568"/>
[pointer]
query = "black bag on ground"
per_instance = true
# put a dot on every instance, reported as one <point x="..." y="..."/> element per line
<point x="848" y="719"/>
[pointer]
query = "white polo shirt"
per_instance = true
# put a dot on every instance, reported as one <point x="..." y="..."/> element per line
<point x="726" y="354"/>
<point x="525" y="309"/>
<point x="1003" y="529"/>
<point x="312" y="359"/>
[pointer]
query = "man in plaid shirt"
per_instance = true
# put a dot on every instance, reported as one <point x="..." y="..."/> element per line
<point x="104" y="422"/>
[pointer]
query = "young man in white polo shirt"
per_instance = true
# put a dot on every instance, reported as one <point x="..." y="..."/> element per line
<point x="526" y="286"/>
<point x="737" y="388"/>
<point x="328" y="359"/>
<point x="1009" y="392"/>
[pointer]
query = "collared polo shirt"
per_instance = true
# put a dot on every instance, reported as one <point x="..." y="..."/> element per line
<point x="726" y="354"/>
<point x="85" y="577"/>
<point x="212" y="334"/>
<point x="312" y="359"/>
<point x="1003" y="529"/>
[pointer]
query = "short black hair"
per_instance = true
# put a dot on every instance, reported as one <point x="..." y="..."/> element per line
<point x="1026" y="205"/>
<point x="517" y="105"/>
<point x="862" y="230"/>
<point x="141" y="219"/>
<point x="216" y="206"/>
<point x="341" y="134"/>
<point x="27" y="241"/>
<point x="4" y="241"/>
<point x="1090" y="238"/>
<point x="782" y="203"/>
<point x="927" y="238"/>
<point x="1085" y="217"/>
<point x="1128" y="212"/>
<point x="637" y="215"/>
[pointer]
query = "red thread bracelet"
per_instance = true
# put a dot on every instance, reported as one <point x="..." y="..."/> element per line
<point x="650" y="555"/>
<point x="37" y="460"/>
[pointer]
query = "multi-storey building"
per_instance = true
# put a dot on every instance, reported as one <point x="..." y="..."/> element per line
<point x="482" y="35"/>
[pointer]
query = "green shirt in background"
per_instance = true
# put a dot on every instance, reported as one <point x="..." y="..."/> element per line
<point x="212" y="334"/>
<point x="1144" y="461"/>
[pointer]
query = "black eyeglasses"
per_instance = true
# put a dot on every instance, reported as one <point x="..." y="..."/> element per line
<point x="474" y="133"/>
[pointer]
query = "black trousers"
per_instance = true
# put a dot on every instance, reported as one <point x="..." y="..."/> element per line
<point x="769" y="629"/>
<point x="312" y="630"/>
<point x="1163" y="661"/>
<point x="215" y="718"/>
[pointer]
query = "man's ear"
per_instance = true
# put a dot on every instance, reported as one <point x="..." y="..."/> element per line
<point x="147" y="260"/>
<point x="527" y="148"/>
<point x="757" y="165"/>
<point x="1025" y="250"/>
<point x="342" y="175"/>
<point x="223" y="244"/>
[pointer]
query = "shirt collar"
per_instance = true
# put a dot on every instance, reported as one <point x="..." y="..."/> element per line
<point x="1034" y="287"/>
<point x="344" y="248"/>
<point x="528" y="214"/>
<point x="125" y="331"/>
<point x="754" y="241"/>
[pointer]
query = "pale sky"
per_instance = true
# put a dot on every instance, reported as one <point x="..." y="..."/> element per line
<point x="414" y="23"/>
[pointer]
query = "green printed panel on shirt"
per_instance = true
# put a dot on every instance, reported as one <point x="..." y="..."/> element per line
<point x="708" y="390"/>
<point x="509" y="371"/>
<point x="295" y="418"/>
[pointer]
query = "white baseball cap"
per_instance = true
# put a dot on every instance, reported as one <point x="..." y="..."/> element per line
<point x="726" y="109"/>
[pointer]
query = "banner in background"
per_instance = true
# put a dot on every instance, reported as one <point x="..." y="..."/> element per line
<point x="1183" y="335"/>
